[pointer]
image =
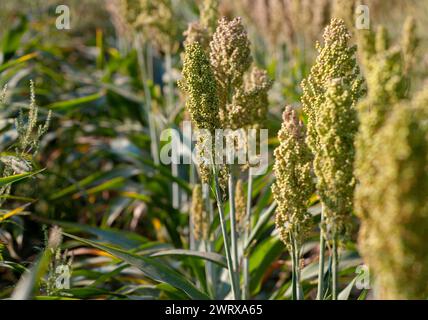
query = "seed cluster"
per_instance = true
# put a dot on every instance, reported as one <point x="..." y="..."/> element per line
<point x="198" y="215"/>
<point x="392" y="149"/>
<point x="294" y="183"/>
<point x="329" y="96"/>
<point x="240" y="205"/>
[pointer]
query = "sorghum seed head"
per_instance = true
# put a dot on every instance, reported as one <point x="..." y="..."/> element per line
<point x="198" y="215"/>
<point x="250" y="103"/>
<point x="240" y="205"/>
<point x="334" y="160"/>
<point x="395" y="203"/>
<point x="294" y="184"/>
<point x="200" y="86"/>
<point x="387" y="84"/>
<point x="336" y="60"/>
<point x="230" y="58"/>
<point x="329" y="97"/>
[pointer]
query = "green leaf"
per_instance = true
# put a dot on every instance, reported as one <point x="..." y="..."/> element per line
<point x="17" y="61"/>
<point x="28" y="282"/>
<point x="151" y="268"/>
<point x="122" y="238"/>
<point x="71" y="104"/>
<point x="17" y="177"/>
<point x="261" y="259"/>
<point x="96" y="178"/>
<point x="12" y="38"/>
<point x="264" y="218"/>
<point x="108" y="185"/>
<point x="210" y="256"/>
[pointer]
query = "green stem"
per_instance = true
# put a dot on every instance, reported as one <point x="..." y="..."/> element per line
<point x="299" y="292"/>
<point x="210" y="267"/>
<point x="293" y="273"/>
<point x="148" y="100"/>
<point x="176" y="192"/>
<point x="246" y="257"/>
<point x="170" y="95"/>
<point x="224" y="231"/>
<point x="320" y="293"/>
<point x="335" y="271"/>
<point x="233" y="236"/>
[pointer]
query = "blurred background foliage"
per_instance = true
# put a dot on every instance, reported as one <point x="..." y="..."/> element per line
<point x="100" y="178"/>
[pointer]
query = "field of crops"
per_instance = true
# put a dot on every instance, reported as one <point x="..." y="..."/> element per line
<point x="213" y="149"/>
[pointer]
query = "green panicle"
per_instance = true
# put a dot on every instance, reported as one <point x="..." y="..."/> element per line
<point x="330" y="93"/>
<point x="293" y="180"/>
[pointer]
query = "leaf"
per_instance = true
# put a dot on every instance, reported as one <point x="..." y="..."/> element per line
<point x="209" y="256"/>
<point x="107" y="185"/>
<point x="363" y="294"/>
<point x="17" y="177"/>
<point x="13" y="212"/>
<point x="54" y="298"/>
<point x="68" y="105"/>
<point x="123" y="92"/>
<point x="17" y="198"/>
<point x="12" y="38"/>
<point x="261" y="260"/>
<point x="348" y="259"/>
<point x="265" y="216"/>
<point x="122" y="238"/>
<point x="93" y="179"/>
<point x="90" y="292"/>
<point x="345" y="293"/>
<point x="28" y="282"/>
<point x="152" y="269"/>
<point x="17" y="61"/>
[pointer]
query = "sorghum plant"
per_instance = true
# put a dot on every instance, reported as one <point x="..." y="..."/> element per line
<point x="397" y="204"/>
<point x="203" y="105"/>
<point x="329" y="96"/>
<point x="201" y="96"/>
<point x="387" y="84"/>
<point x="230" y="57"/>
<point x="392" y="174"/>
<point x="243" y="104"/>
<point x="292" y="189"/>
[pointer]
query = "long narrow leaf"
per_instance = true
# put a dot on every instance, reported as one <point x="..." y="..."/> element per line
<point x="210" y="256"/>
<point x="151" y="268"/>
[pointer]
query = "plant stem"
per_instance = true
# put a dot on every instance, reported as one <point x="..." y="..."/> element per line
<point x="335" y="271"/>
<point x="293" y="273"/>
<point x="176" y="194"/>
<point x="233" y="236"/>
<point x="246" y="258"/>
<point x="299" y="292"/>
<point x="320" y="293"/>
<point x="148" y="100"/>
<point x="224" y="231"/>
<point x="170" y="94"/>
<point x="210" y="267"/>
